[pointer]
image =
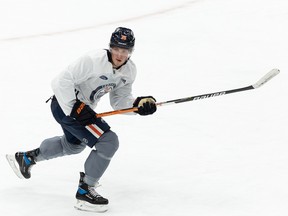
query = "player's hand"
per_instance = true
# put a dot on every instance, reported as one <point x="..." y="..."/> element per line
<point x="146" y="105"/>
<point x="83" y="113"/>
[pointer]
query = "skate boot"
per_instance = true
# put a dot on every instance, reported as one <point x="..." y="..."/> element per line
<point x="22" y="162"/>
<point x="88" y="199"/>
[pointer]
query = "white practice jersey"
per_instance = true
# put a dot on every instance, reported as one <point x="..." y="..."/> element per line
<point x="92" y="76"/>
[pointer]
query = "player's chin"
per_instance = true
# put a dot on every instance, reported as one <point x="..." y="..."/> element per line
<point x="119" y="63"/>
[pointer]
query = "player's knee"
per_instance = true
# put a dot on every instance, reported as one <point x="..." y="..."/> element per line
<point x="50" y="148"/>
<point x="108" y="144"/>
<point x="69" y="148"/>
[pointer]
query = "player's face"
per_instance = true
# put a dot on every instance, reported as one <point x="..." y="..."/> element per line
<point x="119" y="56"/>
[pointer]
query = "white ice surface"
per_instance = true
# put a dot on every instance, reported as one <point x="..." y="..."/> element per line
<point x="223" y="156"/>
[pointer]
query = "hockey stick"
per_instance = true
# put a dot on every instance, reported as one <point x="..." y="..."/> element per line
<point x="258" y="84"/>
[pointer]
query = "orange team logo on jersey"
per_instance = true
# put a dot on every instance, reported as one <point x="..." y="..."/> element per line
<point x="123" y="37"/>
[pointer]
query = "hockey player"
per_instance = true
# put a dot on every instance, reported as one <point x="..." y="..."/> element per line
<point x="77" y="91"/>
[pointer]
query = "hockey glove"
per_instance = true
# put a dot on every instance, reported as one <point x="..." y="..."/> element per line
<point x="146" y="105"/>
<point x="83" y="113"/>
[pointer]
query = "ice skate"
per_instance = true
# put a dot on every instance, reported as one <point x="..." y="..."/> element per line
<point x="88" y="199"/>
<point x="21" y="163"/>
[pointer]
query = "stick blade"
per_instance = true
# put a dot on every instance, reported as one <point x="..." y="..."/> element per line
<point x="266" y="78"/>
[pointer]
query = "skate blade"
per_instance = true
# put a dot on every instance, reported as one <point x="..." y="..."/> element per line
<point x="85" y="206"/>
<point x="12" y="162"/>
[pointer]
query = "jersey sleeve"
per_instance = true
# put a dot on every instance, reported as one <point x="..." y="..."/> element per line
<point x="122" y="98"/>
<point x="63" y="85"/>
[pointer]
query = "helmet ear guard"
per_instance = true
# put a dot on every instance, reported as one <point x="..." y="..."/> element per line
<point x="123" y="38"/>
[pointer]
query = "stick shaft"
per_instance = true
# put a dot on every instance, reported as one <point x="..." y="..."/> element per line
<point x="180" y="100"/>
<point x="259" y="83"/>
